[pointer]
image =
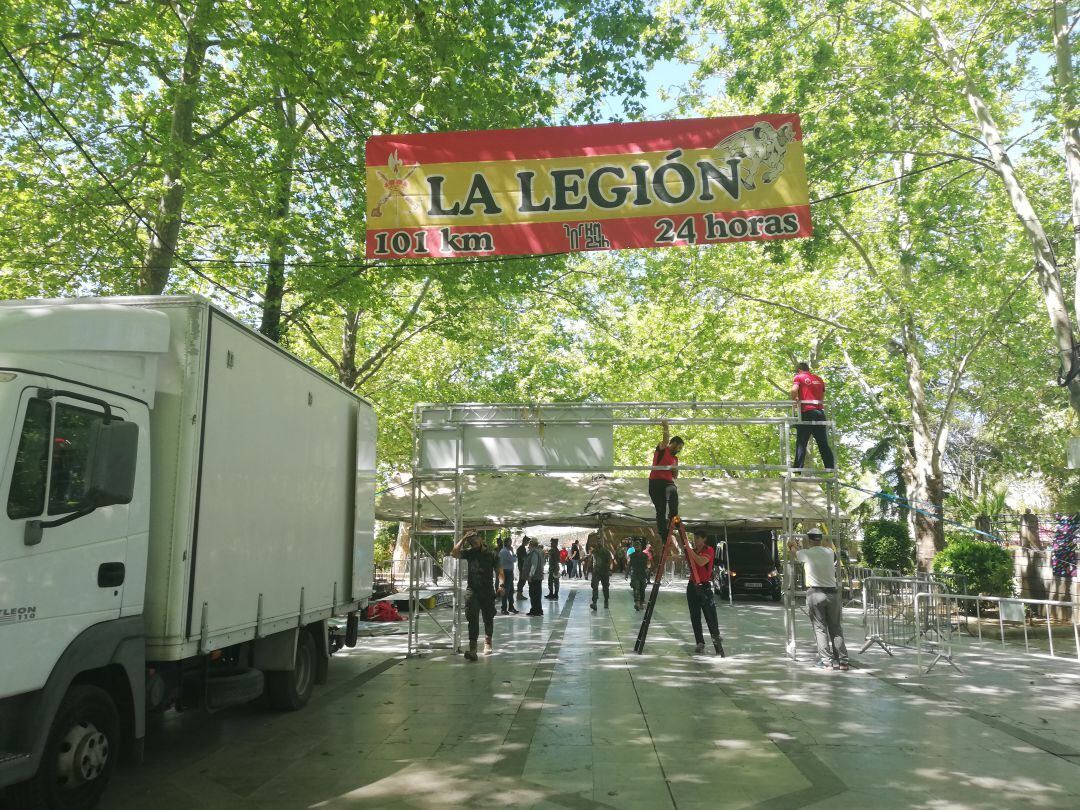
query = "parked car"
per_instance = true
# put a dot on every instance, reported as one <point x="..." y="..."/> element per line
<point x="749" y="567"/>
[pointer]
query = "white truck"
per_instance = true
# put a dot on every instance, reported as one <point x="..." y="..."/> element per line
<point x="185" y="505"/>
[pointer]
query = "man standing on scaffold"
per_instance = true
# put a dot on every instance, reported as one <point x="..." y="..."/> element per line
<point x="662" y="489"/>
<point x="808" y="389"/>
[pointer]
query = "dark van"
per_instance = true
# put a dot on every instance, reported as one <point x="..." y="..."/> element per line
<point x="750" y="566"/>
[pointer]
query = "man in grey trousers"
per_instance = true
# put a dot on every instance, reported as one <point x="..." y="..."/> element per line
<point x="823" y="600"/>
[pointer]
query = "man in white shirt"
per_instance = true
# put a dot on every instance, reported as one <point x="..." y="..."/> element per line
<point x="823" y="600"/>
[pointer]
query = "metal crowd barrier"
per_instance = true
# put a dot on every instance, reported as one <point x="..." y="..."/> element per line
<point x="675" y="570"/>
<point x="851" y="579"/>
<point x="889" y="615"/>
<point x="396" y="572"/>
<point x="952" y="624"/>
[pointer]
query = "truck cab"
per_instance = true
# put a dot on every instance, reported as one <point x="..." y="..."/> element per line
<point x="76" y="388"/>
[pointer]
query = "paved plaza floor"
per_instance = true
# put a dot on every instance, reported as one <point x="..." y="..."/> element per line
<point x="566" y="715"/>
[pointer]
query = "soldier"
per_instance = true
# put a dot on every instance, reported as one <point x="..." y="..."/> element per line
<point x="480" y="594"/>
<point x="639" y="574"/>
<point x="534" y="573"/>
<point x="554" y="569"/>
<point x="601" y="570"/>
<point x="522" y="553"/>
<point x="507" y="561"/>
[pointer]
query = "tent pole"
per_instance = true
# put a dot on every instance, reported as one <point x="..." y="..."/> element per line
<point x="414" y="585"/>
<point x="727" y="567"/>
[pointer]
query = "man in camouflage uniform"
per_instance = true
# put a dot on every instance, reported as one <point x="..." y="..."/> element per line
<point x="601" y="570"/>
<point x="480" y="593"/>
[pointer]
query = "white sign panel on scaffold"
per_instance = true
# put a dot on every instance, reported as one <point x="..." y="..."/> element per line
<point x="570" y="438"/>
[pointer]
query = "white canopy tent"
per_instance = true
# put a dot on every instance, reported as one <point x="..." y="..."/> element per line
<point x="492" y="500"/>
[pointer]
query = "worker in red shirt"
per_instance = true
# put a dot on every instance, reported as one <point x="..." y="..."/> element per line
<point x="662" y="489"/>
<point x="808" y="389"/>
<point x="699" y="594"/>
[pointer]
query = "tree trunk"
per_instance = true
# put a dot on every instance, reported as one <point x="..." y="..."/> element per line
<point x="922" y="465"/>
<point x="924" y="488"/>
<point x="1046" y="264"/>
<point x="284" y="161"/>
<point x="161" y="252"/>
<point x="351" y="328"/>
<point x="403" y="547"/>
<point x="1070" y="131"/>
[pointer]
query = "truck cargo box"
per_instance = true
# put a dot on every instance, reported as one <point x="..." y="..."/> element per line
<point x="263" y="479"/>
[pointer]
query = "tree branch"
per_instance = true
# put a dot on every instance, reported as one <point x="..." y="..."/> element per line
<point x="801" y="312"/>
<point x="233" y="117"/>
<point x="393" y="342"/>
<point x="941" y="437"/>
<point x="894" y="427"/>
<point x="316" y="344"/>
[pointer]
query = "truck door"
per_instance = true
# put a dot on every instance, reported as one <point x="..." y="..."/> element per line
<point x="73" y="576"/>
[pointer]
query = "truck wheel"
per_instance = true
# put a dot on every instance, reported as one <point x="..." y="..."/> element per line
<point x="289" y="691"/>
<point x="80" y="754"/>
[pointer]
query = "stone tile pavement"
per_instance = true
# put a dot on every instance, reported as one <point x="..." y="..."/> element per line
<point x="565" y="715"/>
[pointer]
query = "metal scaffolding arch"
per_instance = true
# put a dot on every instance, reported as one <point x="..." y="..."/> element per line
<point x="439" y="456"/>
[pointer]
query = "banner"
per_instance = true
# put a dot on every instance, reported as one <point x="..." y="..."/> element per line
<point x="601" y="187"/>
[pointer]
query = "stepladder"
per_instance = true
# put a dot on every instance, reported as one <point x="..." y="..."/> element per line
<point x="675" y="529"/>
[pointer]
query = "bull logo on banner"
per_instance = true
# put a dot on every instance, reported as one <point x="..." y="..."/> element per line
<point x="758" y="147"/>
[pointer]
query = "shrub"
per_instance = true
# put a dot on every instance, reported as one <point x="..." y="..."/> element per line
<point x="887" y="544"/>
<point x="987" y="566"/>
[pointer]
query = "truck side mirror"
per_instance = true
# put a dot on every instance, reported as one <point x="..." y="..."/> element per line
<point x="33" y="532"/>
<point x="110" y="464"/>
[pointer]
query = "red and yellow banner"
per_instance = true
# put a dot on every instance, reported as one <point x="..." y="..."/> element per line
<point x="602" y="187"/>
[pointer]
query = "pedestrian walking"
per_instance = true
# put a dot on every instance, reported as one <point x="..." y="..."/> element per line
<point x="823" y="600"/>
<point x="699" y="594"/>
<point x="639" y="574"/>
<point x="601" y="558"/>
<point x="507" y="561"/>
<point x="534" y="572"/>
<point x="662" y="489"/>
<point x="480" y="591"/>
<point x="808" y="389"/>
<point x="554" y="569"/>
<point x="575" y="559"/>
